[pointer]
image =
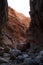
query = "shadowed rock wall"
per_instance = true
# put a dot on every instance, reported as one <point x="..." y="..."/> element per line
<point x="35" y="31"/>
<point x="3" y="17"/>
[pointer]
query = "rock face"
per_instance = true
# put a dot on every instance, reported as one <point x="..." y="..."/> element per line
<point x="3" y="17"/>
<point x="15" y="30"/>
<point x="35" y="31"/>
<point x="23" y="19"/>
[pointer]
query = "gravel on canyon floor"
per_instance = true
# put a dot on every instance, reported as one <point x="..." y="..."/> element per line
<point x="17" y="57"/>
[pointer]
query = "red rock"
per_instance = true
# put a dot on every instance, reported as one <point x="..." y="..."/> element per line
<point x="15" y="31"/>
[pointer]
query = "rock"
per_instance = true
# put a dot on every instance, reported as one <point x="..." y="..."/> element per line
<point x="40" y="63"/>
<point x="3" y="60"/>
<point x="13" y="62"/>
<point x="3" y="18"/>
<point x="15" y="52"/>
<point x="39" y="59"/>
<point x="3" y="64"/>
<point x="25" y="55"/>
<point x="6" y="49"/>
<point x="23" y="47"/>
<point x="6" y="55"/>
<point x="29" y="61"/>
<point x="12" y="57"/>
<point x="15" y="32"/>
<point x="35" y="30"/>
<point x="33" y="52"/>
<point x="6" y="40"/>
<point x="1" y="48"/>
<point x="32" y="55"/>
<point x="1" y="51"/>
<point x="41" y="53"/>
<point x="6" y="64"/>
<point x="20" y="59"/>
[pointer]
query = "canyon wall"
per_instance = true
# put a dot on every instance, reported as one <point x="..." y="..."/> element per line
<point x="15" y="31"/>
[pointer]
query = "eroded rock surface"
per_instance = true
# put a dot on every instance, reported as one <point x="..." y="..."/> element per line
<point x="35" y="31"/>
<point x="15" y="31"/>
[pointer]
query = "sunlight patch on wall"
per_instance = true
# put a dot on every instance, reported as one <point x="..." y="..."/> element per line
<point x="20" y="6"/>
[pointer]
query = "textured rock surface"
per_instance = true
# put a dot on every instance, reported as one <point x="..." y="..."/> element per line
<point x="16" y="57"/>
<point x="35" y="31"/>
<point x="3" y="17"/>
<point x="15" y="31"/>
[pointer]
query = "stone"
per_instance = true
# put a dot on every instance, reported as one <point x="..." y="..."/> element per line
<point x="26" y="61"/>
<point x="3" y="18"/>
<point x="6" y="64"/>
<point x="6" y="49"/>
<point x="25" y="55"/>
<point x="12" y="57"/>
<point x="6" y="55"/>
<point x="15" y="52"/>
<point x="35" y="30"/>
<point x="3" y="64"/>
<point x="20" y="59"/>
<point x="39" y="59"/>
<point x="1" y="51"/>
<point x="32" y="55"/>
<point x="41" y="53"/>
<point x="29" y="61"/>
<point x="23" y="47"/>
<point x="40" y="63"/>
<point x="3" y="60"/>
